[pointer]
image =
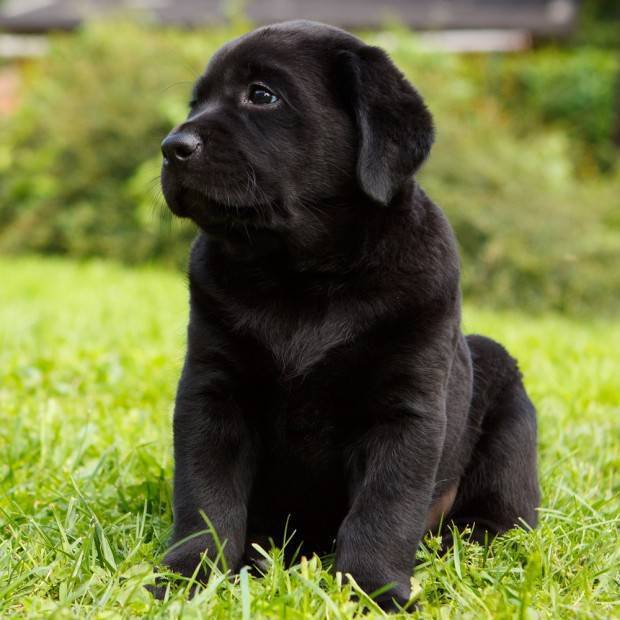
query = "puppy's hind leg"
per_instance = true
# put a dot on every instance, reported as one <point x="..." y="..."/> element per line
<point x="499" y="489"/>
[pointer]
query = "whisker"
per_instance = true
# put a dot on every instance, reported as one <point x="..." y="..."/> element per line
<point x="167" y="88"/>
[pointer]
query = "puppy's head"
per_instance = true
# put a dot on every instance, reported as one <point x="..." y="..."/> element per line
<point x="287" y="120"/>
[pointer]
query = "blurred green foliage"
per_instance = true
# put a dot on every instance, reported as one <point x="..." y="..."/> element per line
<point x="539" y="226"/>
<point x="573" y="89"/>
<point x="91" y="115"/>
<point x="598" y="24"/>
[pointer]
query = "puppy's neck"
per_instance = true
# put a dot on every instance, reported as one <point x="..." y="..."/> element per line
<point x="341" y="237"/>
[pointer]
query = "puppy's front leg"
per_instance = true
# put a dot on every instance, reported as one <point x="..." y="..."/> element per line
<point x="393" y="474"/>
<point x="213" y="469"/>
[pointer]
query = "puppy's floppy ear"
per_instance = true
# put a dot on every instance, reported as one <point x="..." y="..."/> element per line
<point x="395" y="127"/>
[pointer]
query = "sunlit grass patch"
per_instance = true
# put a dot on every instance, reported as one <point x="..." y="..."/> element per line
<point x="89" y="357"/>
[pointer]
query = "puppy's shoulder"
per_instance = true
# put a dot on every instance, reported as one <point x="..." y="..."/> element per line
<point x="424" y="249"/>
<point x="431" y="226"/>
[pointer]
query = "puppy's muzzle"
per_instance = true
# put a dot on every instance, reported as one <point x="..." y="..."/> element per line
<point x="180" y="147"/>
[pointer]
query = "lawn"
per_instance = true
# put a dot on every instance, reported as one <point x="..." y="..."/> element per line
<point x="89" y="358"/>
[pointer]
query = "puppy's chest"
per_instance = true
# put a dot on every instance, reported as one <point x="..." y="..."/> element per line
<point x="302" y="434"/>
<point x="299" y="339"/>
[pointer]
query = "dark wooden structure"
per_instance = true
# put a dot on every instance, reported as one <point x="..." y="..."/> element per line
<point x="538" y="17"/>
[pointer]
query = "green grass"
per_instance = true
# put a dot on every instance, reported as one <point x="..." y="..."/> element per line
<point x="89" y="358"/>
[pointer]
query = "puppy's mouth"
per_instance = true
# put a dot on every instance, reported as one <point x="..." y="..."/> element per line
<point x="213" y="205"/>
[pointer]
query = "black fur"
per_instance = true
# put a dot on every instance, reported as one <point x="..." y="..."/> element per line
<point x="326" y="375"/>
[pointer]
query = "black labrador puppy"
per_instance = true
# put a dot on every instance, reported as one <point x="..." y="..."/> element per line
<point x="326" y="376"/>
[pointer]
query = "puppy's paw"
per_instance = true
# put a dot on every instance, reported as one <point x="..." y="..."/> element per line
<point x="396" y="599"/>
<point x="186" y="560"/>
<point x="158" y="589"/>
<point x="254" y="558"/>
<point x="163" y="585"/>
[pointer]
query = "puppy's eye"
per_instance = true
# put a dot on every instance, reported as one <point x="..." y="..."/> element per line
<point x="259" y="95"/>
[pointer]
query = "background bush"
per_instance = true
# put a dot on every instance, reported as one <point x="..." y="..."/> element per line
<point x="539" y="226"/>
<point x="78" y="174"/>
<point x="573" y="90"/>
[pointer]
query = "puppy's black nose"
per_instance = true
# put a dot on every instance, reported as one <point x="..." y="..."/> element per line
<point x="181" y="146"/>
